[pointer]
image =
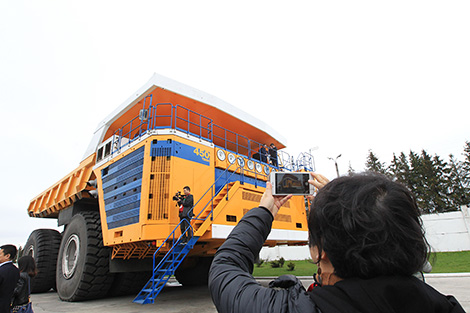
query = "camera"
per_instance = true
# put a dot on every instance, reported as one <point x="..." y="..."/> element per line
<point x="178" y="197"/>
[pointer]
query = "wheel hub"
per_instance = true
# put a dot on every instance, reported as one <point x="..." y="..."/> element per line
<point x="30" y="251"/>
<point x="70" y="256"/>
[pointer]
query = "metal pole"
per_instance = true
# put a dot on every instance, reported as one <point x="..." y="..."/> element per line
<point x="336" y="164"/>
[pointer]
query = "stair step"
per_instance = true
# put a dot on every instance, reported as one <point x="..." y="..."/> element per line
<point x="164" y="271"/>
<point x="173" y="259"/>
<point x="169" y="261"/>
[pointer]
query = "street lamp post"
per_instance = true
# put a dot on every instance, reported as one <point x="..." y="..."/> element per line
<point x="336" y="164"/>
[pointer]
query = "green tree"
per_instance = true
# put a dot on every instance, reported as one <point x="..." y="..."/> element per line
<point x="466" y="170"/>
<point x="374" y="165"/>
<point x="428" y="182"/>
<point x="455" y="183"/>
<point x="431" y="182"/>
<point x="400" y="169"/>
<point x="438" y="185"/>
<point x="415" y="181"/>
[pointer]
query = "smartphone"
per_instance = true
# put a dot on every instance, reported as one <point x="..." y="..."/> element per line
<point x="295" y="183"/>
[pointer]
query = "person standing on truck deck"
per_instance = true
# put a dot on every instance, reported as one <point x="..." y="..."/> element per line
<point x="28" y="270"/>
<point x="186" y="213"/>
<point x="9" y="275"/>
<point x="273" y="154"/>
<point x="263" y="153"/>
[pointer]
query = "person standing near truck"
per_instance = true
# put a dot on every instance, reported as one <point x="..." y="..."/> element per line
<point x="28" y="270"/>
<point x="9" y="275"/>
<point x="186" y="202"/>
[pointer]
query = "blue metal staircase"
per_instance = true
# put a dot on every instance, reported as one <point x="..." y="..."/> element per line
<point x="166" y="267"/>
<point x="177" y="249"/>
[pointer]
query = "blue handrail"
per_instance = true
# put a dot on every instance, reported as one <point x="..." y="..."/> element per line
<point x="212" y="189"/>
<point x="202" y="128"/>
<point x="154" y="116"/>
<point x="193" y="123"/>
<point x="190" y="123"/>
<point x="172" y="234"/>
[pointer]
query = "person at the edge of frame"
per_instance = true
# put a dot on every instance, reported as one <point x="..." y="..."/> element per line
<point x="367" y="239"/>
<point x="21" y="296"/>
<point x="9" y="275"/>
<point x="186" y="203"/>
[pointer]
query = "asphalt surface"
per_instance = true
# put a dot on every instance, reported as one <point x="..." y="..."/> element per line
<point x="175" y="299"/>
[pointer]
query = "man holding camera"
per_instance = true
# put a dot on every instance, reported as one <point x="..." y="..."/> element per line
<point x="185" y="203"/>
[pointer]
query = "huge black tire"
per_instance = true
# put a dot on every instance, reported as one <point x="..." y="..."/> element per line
<point x="129" y="283"/>
<point x="43" y="246"/>
<point x="194" y="271"/>
<point x="83" y="262"/>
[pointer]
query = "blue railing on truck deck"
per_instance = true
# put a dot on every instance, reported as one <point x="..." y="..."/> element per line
<point x="168" y="115"/>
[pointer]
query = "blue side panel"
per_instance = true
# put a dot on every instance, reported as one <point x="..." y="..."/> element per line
<point x="180" y="150"/>
<point x="233" y="177"/>
<point x="122" y="183"/>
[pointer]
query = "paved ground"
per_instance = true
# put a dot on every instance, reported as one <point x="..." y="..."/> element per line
<point x="177" y="299"/>
<point x="457" y="285"/>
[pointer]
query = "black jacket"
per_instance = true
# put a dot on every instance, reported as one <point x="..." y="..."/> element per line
<point x="233" y="289"/>
<point x="187" y="204"/>
<point x="22" y="290"/>
<point x="263" y="153"/>
<point x="9" y="275"/>
<point x="273" y="155"/>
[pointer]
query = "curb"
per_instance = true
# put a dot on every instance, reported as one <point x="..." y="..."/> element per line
<point x="426" y="275"/>
<point x="439" y="275"/>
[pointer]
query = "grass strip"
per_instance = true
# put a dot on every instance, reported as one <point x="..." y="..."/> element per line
<point x="442" y="262"/>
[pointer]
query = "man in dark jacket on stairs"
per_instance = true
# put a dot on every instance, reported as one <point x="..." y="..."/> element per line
<point x="186" y="213"/>
<point x="366" y="237"/>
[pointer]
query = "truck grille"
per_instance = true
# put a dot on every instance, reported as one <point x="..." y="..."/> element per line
<point x="159" y="187"/>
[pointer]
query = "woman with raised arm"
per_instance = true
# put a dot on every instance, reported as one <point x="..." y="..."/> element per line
<point x="366" y="237"/>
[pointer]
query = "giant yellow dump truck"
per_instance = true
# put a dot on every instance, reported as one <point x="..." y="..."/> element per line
<point x="122" y="228"/>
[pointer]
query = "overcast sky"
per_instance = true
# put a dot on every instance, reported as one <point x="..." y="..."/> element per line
<point x="343" y="76"/>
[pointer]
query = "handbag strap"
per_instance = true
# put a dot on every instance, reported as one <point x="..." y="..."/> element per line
<point x="29" y="288"/>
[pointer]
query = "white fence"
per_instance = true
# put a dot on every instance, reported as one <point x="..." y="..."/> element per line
<point x="444" y="232"/>
<point x="448" y="231"/>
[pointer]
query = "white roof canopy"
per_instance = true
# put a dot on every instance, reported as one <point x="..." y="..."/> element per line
<point x="181" y="89"/>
